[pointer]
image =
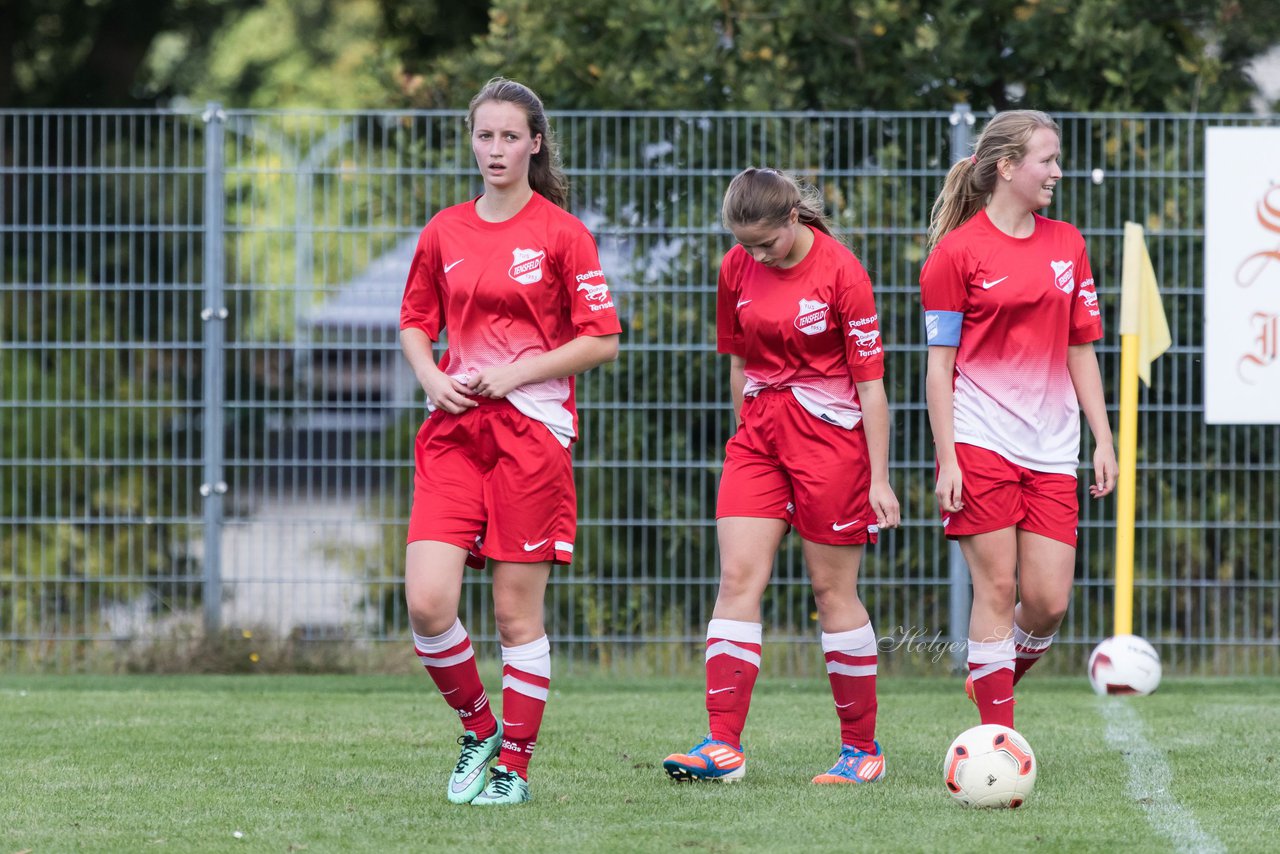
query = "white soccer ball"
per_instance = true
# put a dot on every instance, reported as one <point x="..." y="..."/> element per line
<point x="989" y="766"/>
<point x="1124" y="664"/>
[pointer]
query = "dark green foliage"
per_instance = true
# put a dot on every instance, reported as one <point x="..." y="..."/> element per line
<point x="876" y="54"/>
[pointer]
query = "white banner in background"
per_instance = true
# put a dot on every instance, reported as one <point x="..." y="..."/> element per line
<point x="1242" y="276"/>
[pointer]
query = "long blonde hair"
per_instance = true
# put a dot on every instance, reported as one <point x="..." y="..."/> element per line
<point x="970" y="181"/>
<point x="767" y="196"/>
<point x="546" y="176"/>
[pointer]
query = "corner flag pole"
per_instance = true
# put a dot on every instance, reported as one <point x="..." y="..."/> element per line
<point x="1144" y="335"/>
<point x="1127" y="482"/>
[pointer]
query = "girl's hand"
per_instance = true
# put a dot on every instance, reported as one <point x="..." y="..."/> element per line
<point x="497" y="381"/>
<point x="1105" y="471"/>
<point x="948" y="489"/>
<point x="885" y="503"/>
<point x="446" y="393"/>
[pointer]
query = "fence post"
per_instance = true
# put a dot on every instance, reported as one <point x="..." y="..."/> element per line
<point x="962" y="121"/>
<point x="213" y="314"/>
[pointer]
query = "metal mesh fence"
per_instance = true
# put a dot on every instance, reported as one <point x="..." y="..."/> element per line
<point x="207" y="424"/>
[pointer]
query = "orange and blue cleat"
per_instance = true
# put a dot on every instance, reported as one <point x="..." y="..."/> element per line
<point x="855" y="766"/>
<point x="710" y="760"/>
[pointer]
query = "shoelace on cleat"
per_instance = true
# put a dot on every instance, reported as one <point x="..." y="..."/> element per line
<point x="503" y="781"/>
<point x="851" y="759"/>
<point x="470" y="745"/>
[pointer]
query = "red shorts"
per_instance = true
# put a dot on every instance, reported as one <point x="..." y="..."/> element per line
<point x="785" y="463"/>
<point x="999" y="494"/>
<point x="495" y="475"/>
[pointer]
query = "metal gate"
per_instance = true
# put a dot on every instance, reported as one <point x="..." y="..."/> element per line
<point x="207" y="425"/>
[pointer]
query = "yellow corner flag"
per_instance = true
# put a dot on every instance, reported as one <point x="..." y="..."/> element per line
<point x="1141" y="311"/>
<point x="1144" y="336"/>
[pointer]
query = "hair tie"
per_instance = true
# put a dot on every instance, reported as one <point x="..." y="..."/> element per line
<point x="973" y="158"/>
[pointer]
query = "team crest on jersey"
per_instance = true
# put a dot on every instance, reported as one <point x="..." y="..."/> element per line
<point x="1064" y="275"/>
<point x="812" y="318"/>
<point x="526" y="265"/>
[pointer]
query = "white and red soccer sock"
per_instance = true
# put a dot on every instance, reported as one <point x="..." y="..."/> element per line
<point x="733" y="663"/>
<point x="991" y="667"/>
<point x="851" y="669"/>
<point x="1028" y="648"/>
<point x="526" y="680"/>
<point x="451" y="663"/>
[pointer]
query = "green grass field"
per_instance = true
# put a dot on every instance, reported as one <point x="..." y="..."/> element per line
<point x="358" y="763"/>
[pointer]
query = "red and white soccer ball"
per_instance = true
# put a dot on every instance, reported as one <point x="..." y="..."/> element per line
<point x="1124" y="664"/>
<point x="990" y="766"/>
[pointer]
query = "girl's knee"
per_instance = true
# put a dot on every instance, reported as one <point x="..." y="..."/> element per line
<point x="1044" y="615"/>
<point x="1000" y="592"/>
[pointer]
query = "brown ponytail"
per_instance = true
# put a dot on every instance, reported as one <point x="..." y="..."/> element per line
<point x="970" y="181"/>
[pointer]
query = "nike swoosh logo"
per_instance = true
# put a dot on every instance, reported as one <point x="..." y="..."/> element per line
<point x="743" y="302"/>
<point x="844" y="705"/>
<point x="836" y="527"/>
<point x="985" y="284"/>
<point x="447" y="693"/>
<point x="448" y="267"/>
<point x="508" y="724"/>
<point x="532" y="546"/>
<point x="1001" y="702"/>
<point x="467" y="780"/>
<point x="719" y="690"/>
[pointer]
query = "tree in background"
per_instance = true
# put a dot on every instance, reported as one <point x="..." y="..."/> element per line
<point x="1056" y="55"/>
<point x="245" y="53"/>
<point x="67" y="53"/>
<point x="334" y="54"/>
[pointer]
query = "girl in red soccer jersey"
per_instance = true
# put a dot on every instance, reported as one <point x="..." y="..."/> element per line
<point x="1011" y="315"/>
<point x="796" y="315"/>
<point x="516" y="281"/>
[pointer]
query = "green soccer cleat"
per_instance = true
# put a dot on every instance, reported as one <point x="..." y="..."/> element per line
<point x="468" y="775"/>
<point x="505" y="787"/>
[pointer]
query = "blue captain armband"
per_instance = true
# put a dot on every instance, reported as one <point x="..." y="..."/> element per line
<point x="942" y="328"/>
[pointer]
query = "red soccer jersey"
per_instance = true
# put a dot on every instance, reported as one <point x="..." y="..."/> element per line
<point x="811" y="328"/>
<point x="505" y="290"/>
<point x="1011" y="306"/>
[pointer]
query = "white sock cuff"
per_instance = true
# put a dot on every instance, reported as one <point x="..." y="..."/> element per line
<point x="533" y="651"/>
<point x="991" y="652"/>
<point x="533" y="657"/>
<point x="859" y="641"/>
<point x="1029" y="641"/>
<point x="439" y="643"/>
<point x="735" y="630"/>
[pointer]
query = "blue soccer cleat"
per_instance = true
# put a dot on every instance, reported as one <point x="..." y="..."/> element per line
<point x="710" y="760"/>
<point x="855" y="766"/>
